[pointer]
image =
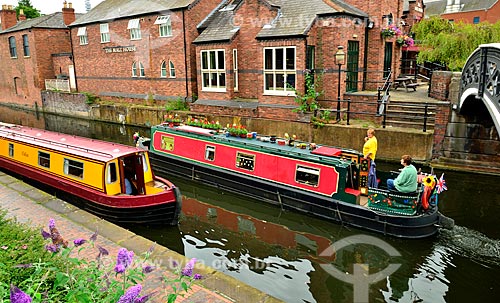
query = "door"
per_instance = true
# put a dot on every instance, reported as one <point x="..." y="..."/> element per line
<point x="352" y="65"/>
<point x="387" y="58"/>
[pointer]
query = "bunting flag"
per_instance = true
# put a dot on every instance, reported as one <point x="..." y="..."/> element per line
<point x="441" y="184"/>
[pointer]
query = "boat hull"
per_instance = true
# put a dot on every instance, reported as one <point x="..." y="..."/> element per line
<point x="419" y="226"/>
<point x="162" y="208"/>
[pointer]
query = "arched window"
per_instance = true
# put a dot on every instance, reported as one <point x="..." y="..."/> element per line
<point x="172" y="69"/>
<point x="163" y="69"/>
<point x="141" y="70"/>
<point x="134" y="69"/>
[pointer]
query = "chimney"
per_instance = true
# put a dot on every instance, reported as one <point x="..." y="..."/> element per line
<point x="7" y="16"/>
<point x="68" y="13"/>
<point x="21" y="16"/>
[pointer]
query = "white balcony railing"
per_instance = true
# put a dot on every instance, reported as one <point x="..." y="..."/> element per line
<point x="57" y="85"/>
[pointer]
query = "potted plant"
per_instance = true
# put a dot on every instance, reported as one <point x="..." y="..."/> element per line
<point x="173" y="120"/>
<point x="237" y="131"/>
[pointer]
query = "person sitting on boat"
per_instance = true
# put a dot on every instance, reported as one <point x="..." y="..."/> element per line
<point x="406" y="181"/>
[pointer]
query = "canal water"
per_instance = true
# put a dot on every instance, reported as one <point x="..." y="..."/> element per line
<point x="288" y="255"/>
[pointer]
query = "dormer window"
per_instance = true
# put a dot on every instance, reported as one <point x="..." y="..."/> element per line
<point x="135" y="29"/>
<point x="165" y="26"/>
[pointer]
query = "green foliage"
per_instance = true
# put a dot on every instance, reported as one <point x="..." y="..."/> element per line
<point x="28" y="9"/>
<point x="71" y="273"/>
<point x="178" y="104"/>
<point x="91" y="98"/>
<point x="20" y="246"/>
<point x="452" y="43"/>
<point x="307" y="101"/>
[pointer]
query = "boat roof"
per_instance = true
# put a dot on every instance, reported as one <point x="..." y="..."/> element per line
<point x="74" y="145"/>
<point x="322" y="153"/>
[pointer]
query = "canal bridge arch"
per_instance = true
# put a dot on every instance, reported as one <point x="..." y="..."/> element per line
<point x="480" y="81"/>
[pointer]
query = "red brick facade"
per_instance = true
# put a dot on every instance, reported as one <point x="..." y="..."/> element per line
<point x="106" y="69"/>
<point x="490" y="15"/>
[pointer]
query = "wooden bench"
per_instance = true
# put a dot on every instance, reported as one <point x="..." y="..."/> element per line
<point x="412" y="85"/>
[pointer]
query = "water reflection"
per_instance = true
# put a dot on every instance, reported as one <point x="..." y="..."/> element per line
<point x="280" y="252"/>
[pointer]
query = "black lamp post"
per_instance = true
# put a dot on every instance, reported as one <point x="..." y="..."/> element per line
<point x="340" y="60"/>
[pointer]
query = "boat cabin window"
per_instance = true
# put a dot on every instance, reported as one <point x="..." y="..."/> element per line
<point x="245" y="161"/>
<point x="210" y="153"/>
<point x="11" y="150"/>
<point x="73" y="168"/>
<point x="307" y="175"/>
<point x="111" y="173"/>
<point x="44" y="159"/>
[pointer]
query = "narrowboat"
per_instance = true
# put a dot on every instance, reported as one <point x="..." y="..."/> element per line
<point x="324" y="181"/>
<point x="93" y="172"/>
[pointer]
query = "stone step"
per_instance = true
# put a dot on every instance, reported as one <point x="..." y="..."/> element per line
<point x="410" y="124"/>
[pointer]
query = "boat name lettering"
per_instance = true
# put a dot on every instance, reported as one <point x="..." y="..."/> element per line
<point x="120" y="49"/>
<point x="25" y="154"/>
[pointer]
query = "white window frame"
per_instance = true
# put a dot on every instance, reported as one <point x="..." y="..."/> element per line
<point x="134" y="26"/>
<point x="134" y="69"/>
<point x="213" y="69"/>
<point x="235" y="69"/>
<point x="82" y="34"/>
<point x="142" y="74"/>
<point x="164" y="26"/>
<point x="163" y="69"/>
<point x="284" y="71"/>
<point x="105" y="35"/>
<point x="171" y="69"/>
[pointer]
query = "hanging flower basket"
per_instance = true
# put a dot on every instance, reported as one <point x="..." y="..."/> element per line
<point x="390" y="31"/>
<point x="405" y="41"/>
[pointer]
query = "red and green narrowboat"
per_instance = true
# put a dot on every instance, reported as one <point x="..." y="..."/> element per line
<point x="93" y="172"/>
<point x="324" y="181"/>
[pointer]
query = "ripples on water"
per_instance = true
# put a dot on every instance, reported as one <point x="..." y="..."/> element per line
<point x="278" y="253"/>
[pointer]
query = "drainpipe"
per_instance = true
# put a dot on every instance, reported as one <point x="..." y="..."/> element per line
<point x="185" y="54"/>
<point x="365" y="56"/>
<point x="73" y="61"/>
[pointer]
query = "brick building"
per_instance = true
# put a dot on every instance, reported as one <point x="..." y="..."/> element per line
<point x="217" y="51"/>
<point x="31" y="51"/>
<point x="138" y="50"/>
<point x="468" y="11"/>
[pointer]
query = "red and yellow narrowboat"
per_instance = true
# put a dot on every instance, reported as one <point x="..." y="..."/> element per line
<point x="325" y="181"/>
<point x="94" y="172"/>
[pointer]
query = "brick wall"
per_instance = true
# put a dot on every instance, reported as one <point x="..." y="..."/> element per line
<point x="22" y="78"/>
<point x="440" y="84"/>
<point x="110" y="73"/>
<point x="63" y="103"/>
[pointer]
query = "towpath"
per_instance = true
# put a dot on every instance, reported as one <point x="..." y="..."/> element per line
<point x="34" y="207"/>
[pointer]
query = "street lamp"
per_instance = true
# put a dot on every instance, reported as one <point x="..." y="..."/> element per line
<point x="339" y="59"/>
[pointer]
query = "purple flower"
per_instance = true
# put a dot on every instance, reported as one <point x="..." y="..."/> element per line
<point x="123" y="260"/>
<point x="197" y="277"/>
<point x="145" y="298"/>
<point x="45" y="234"/>
<point x="94" y="236"/>
<point x="79" y="242"/>
<point x="131" y="294"/>
<point x="52" y="248"/>
<point x="52" y="223"/>
<point x="146" y="269"/>
<point x="24" y="265"/>
<point x="188" y="269"/>
<point x="102" y="251"/>
<point x="18" y="296"/>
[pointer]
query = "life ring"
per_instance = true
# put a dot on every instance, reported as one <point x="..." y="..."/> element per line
<point x="425" y="196"/>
